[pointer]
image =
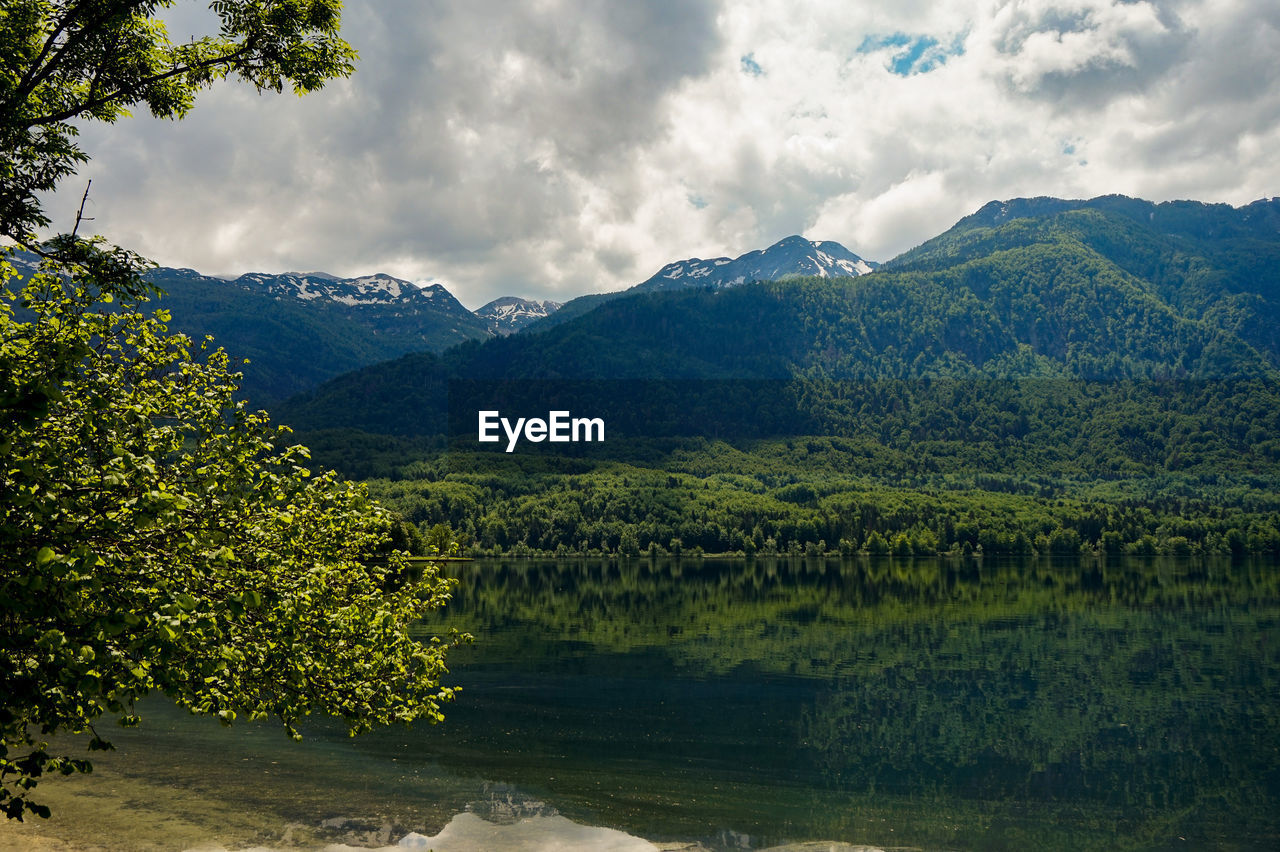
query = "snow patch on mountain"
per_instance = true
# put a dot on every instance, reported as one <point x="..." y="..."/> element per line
<point x="509" y="314"/>
<point x="365" y="291"/>
<point x="791" y="257"/>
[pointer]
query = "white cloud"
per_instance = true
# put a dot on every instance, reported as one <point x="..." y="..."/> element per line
<point x="565" y="146"/>
<point x="1038" y="39"/>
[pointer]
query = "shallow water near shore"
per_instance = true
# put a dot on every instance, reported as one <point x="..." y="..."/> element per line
<point x="731" y="705"/>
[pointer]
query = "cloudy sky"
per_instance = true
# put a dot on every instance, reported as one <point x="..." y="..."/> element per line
<point x="549" y="148"/>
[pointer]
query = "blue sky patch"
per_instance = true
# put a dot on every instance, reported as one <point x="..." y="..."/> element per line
<point x="750" y="66"/>
<point x="912" y="54"/>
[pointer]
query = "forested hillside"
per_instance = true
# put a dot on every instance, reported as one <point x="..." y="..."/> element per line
<point x="1114" y="355"/>
<point x="1207" y="261"/>
<point x="791" y="257"/>
<point x="288" y="333"/>
<point x="1033" y="301"/>
<point x="293" y="344"/>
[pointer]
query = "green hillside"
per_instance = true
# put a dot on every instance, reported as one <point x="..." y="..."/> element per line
<point x="1044" y="375"/>
<point x="1211" y="262"/>
<point x="1028" y="299"/>
<point x="283" y="344"/>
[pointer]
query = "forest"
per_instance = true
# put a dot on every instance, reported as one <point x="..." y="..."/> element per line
<point x="1042" y="378"/>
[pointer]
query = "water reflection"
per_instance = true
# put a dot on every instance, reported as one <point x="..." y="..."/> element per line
<point x="468" y="832"/>
<point x="722" y="705"/>
<point x="1140" y="698"/>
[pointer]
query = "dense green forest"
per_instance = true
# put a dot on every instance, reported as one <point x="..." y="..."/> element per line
<point x="1211" y="262"/>
<point x="1049" y="376"/>
<point x="797" y="496"/>
<point x="1034" y="300"/>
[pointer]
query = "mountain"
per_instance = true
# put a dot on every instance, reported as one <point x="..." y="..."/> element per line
<point x="378" y="289"/>
<point x="1029" y="344"/>
<point x="1209" y="262"/>
<point x="791" y="257"/>
<point x="1047" y="377"/>
<point x="509" y="314"/>
<point x="297" y="330"/>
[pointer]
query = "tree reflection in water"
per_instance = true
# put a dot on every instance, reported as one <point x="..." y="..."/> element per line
<point x="1142" y="690"/>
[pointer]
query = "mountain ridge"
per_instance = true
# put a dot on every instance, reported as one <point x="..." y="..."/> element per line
<point x="790" y="257"/>
<point x="1211" y="262"/>
<point x="298" y="330"/>
<point x="1078" y="296"/>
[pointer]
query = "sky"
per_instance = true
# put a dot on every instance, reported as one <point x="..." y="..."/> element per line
<point x="550" y="148"/>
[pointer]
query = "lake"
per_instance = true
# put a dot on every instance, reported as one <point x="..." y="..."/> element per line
<point x="735" y="705"/>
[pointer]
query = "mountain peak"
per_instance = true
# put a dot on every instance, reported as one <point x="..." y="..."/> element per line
<point x="790" y="257"/>
<point x="509" y="314"/>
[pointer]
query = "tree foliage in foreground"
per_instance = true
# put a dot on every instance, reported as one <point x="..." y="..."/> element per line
<point x="156" y="537"/>
<point x="62" y="60"/>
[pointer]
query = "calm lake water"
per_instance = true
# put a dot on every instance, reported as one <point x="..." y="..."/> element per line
<point x="748" y="705"/>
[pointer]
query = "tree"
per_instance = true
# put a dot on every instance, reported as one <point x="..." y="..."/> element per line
<point x="155" y="534"/>
<point x="94" y="59"/>
<point x="439" y="540"/>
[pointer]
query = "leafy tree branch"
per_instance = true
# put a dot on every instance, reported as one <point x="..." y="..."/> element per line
<point x="156" y="535"/>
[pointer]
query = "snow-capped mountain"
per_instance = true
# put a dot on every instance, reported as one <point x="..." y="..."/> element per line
<point x="377" y="289"/>
<point x="298" y="329"/>
<point x="788" y="258"/>
<point x="793" y="256"/>
<point x="511" y="313"/>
